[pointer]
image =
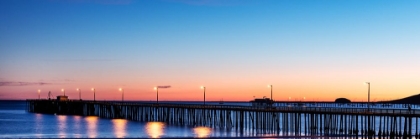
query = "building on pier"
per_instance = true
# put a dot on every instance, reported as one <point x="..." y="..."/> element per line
<point x="62" y="98"/>
<point x="262" y="102"/>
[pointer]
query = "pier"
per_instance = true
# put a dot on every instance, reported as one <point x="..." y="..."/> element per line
<point x="282" y="119"/>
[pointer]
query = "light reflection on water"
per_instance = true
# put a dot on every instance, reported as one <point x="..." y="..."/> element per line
<point x="119" y="127"/>
<point x="38" y="125"/>
<point x="202" y="131"/>
<point x="62" y="125"/>
<point x="155" y="129"/>
<point x="77" y="124"/>
<point x="92" y="122"/>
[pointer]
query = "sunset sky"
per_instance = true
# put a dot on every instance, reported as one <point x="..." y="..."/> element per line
<point x="317" y="49"/>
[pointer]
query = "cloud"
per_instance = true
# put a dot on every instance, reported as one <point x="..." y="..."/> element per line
<point x="167" y="86"/>
<point x="23" y="83"/>
<point x="69" y="80"/>
<point x="79" y="60"/>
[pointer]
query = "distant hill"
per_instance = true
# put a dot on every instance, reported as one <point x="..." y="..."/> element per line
<point x="415" y="99"/>
<point x="342" y="100"/>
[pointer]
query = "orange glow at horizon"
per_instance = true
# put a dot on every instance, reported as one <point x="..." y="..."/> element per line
<point x="311" y="93"/>
<point x="305" y="89"/>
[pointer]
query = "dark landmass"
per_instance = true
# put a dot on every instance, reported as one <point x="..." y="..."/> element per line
<point x="342" y="100"/>
<point x="415" y="99"/>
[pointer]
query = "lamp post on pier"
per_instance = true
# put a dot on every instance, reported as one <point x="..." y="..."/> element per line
<point x="157" y="91"/>
<point x="368" y="83"/>
<point x="122" y="95"/>
<point x="94" y="95"/>
<point x="271" y="92"/>
<point x="80" y="94"/>
<point x="157" y="94"/>
<point x="369" y="119"/>
<point x="204" y="89"/>
<point x="39" y="94"/>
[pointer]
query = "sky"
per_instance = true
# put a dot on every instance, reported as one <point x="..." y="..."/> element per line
<point x="308" y="50"/>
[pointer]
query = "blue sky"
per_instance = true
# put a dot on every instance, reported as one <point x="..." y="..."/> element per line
<point x="223" y="43"/>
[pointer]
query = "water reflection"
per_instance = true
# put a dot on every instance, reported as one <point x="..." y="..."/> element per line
<point x="38" y="126"/>
<point x="92" y="122"/>
<point x="62" y="125"/>
<point x="155" y="129"/>
<point x="76" y="128"/>
<point x="202" y="131"/>
<point x="119" y="127"/>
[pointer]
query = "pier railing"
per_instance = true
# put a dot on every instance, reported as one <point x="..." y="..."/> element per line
<point x="300" y="109"/>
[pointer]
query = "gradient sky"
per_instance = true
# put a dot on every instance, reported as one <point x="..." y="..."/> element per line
<point x="317" y="49"/>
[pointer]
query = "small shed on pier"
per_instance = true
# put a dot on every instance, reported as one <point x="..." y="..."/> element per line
<point x="261" y="102"/>
<point x="62" y="98"/>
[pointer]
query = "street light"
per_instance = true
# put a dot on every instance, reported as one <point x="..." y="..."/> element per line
<point x="122" y="97"/>
<point x="94" y="99"/>
<point x="157" y="91"/>
<point x="204" y="89"/>
<point x="80" y="94"/>
<point x="157" y="94"/>
<point x="368" y="83"/>
<point x="39" y="92"/>
<point x="64" y="91"/>
<point x="271" y="87"/>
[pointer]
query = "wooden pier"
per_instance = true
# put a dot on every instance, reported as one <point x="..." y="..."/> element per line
<point x="280" y="120"/>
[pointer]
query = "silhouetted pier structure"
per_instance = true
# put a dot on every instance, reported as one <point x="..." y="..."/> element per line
<point x="279" y="120"/>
